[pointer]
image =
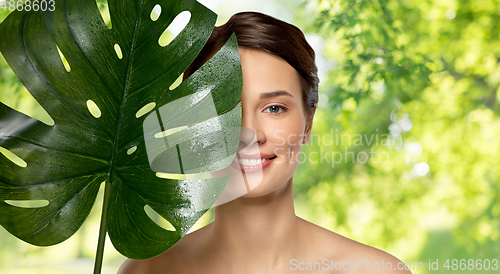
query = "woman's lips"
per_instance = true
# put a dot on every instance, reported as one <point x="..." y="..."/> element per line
<point x="252" y="163"/>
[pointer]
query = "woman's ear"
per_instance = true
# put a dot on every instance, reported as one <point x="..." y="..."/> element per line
<point x="307" y="131"/>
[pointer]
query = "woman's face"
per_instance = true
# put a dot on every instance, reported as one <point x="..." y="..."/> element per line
<point x="273" y="122"/>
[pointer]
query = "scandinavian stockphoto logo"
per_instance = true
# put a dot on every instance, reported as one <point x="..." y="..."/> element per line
<point x="337" y="147"/>
<point x="186" y="139"/>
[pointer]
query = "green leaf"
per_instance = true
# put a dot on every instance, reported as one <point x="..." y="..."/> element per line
<point x="99" y="136"/>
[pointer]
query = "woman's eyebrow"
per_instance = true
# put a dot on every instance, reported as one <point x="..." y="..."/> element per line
<point x="274" y="94"/>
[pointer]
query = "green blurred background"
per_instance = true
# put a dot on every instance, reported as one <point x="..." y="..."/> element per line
<point x="409" y="110"/>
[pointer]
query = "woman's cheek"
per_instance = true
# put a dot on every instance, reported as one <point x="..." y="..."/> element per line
<point x="281" y="155"/>
<point x="287" y="146"/>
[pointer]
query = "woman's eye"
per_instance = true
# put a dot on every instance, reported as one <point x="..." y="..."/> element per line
<point x="275" y="109"/>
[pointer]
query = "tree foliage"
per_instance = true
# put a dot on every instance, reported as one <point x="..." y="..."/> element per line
<point x="424" y="77"/>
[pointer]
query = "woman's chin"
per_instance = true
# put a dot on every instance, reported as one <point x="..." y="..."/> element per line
<point x="266" y="189"/>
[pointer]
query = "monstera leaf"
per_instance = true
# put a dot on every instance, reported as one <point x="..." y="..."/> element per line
<point x="102" y="132"/>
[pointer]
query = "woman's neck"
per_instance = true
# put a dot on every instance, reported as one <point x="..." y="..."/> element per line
<point x="257" y="232"/>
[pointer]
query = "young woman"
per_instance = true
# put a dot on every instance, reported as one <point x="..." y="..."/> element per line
<point x="259" y="232"/>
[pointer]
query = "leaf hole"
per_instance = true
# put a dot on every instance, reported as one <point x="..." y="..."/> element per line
<point x="145" y="109"/>
<point x="158" y="219"/>
<point x="13" y="157"/>
<point x="155" y="13"/>
<point x="64" y="61"/>
<point x="167" y="132"/>
<point x="28" y="203"/>
<point x="104" y="11"/>
<point x="176" y="83"/>
<point x="118" y="51"/>
<point x="131" y="150"/>
<point x="23" y="101"/>
<point x="93" y="109"/>
<point x="179" y="23"/>
<point x="194" y="176"/>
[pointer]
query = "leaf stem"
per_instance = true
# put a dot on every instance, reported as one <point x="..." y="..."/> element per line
<point x="102" y="230"/>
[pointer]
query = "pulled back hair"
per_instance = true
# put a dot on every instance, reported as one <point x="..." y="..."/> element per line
<point x="258" y="31"/>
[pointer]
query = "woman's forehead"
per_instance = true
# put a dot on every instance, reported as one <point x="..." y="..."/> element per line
<point x="264" y="73"/>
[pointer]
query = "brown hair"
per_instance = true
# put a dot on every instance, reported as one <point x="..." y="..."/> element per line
<point x="262" y="32"/>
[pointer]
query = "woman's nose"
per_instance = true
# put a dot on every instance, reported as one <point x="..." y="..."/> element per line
<point x="247" y="136"/>
<point x="251" y="131"/>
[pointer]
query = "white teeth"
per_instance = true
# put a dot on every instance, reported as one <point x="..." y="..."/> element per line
<point x="251" y="162"/>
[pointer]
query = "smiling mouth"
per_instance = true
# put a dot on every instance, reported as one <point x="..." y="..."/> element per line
<point x="252" y="162"/>
<point x="248" y="165"/>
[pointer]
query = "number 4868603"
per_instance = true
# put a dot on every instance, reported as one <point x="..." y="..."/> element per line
<point x="28" y="5"/>
<point x="471" y="264"/>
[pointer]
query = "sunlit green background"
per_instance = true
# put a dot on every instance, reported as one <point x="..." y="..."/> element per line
<point x="413" y="85"/>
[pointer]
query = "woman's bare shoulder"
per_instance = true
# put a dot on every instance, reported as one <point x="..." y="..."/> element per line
<point x="131" y="266"/>
<point x="178" y="259"/>
<point x="160" y="264"/>
<point x="354" y="256"/>
<point x="167" y="262"/>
